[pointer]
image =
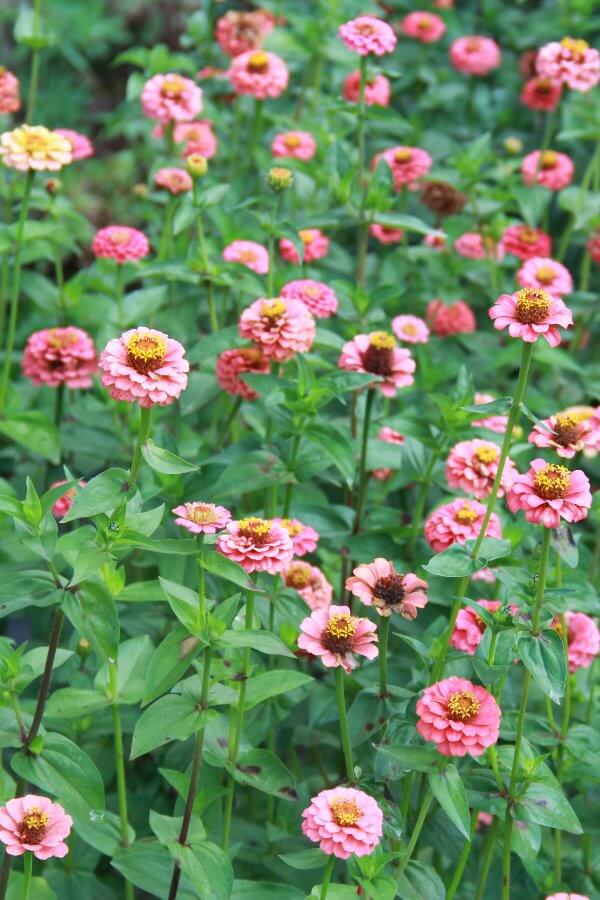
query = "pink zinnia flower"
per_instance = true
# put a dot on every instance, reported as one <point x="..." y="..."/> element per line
<point x="525" y="242"/>
<point x="377" y="354"/>
<point x="593" y="246"/>
<point x="366" y="34"/>
<point x="410" y="329"/>
<point x="176" y="181"/>
<point x="144" y="366"/>
<point x="343" y="821"/>
<point x="549" y="492"/>
<point x="121" y="243"/>
<point x="472" y="466"/>
<point x="248" y="253"/>
<point x="231" y="364"/>
<point x="335" y="635"/>
<point x="237" y="32"/>
<point x="304" y="538"/>
<point x="34" y="824"/>
<point x="545" y="274"/>
<point x="425" y="27"/>
<point x="377" y="89"/>
<point x="583" y="639"/>
<point x="386" y="234"/>
<point x="457" y="522"/>
<point x="541" y="93"/>
<point x="320" y="299"/>
<point x="295" y="144"/>
<point x="475" y="55"/>
<point x="310" y="583"/>
<point x="567" y="433"/>
<point x="469" y="627"/>
<point x="257" y="545"/>
<point x="171" y="98"/>
<point x="281" y="327"/>
<point x="408" y="165"/>
<point x="497" y="423"/>
<point x="315" y="243"/>
<point x="378" y="584"/>
<point x="531" y="313"/>
<point x="459" y="716"/>
<point x="10" y="101"/>
<point x="389" y="436"/>
<point x="437" y="241"/>
<point x="457" y="318"/>
<point x="549" y="168"/>
<point x="57" y="356"/>
<point x="201" y="518"/>
<point x="81" y="146"/>
<point x="473" y="245"/>
<point x="64" y="503"/>
<point x="562" y="895"/>
<point x="259" y="73"/>
<point x="197" y="137"/>
<point x="572" y="62"/>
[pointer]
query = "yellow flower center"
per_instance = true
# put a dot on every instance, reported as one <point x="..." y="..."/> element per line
<point x="173" y="86"/>
<point x="462" y="706"/>
<point x="487" y="454"/>
<point x="312" y="291"/>
<point x="59" y="338"/>
<point x="473" y="45"/>
<point x="548" y="159"/>
<point x="119" y="236"/>
<point x="364" y="28"/>
<point x="577" y="47"/>
<point x="403" y="156"/>
<point x="292" y="528"/>
<point x="528" y="235"/>
<point x="552" y="482"/>
<point x="409" y="329"/>
<point x="146" y="352"/>
<point x="381" y="340"/>
<point x="201" y="513"/>
<point x="299" y="575"/>
<point x="345" y="812"/>
<point x="338" y="636"/>
<point x="466" y="515"/>
<point x="533" y="305"/>
<point x="424" y="23"/>
<point x="272" y="309"/>
<point x="543" y="85"/>
<point x="546" y="274"/>
<point x="37" y="140"/>
<point x="247" y="256"/>
<point x="255" y="529"/>
<point x="291" y="141"/>
<point x="258" y="62"/>
<point x="567" y="429"/>
<point x="33" y="826"/>
<point x="306" y="236"/>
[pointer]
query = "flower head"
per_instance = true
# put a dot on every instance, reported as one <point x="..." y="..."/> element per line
<point x="304" y="538"/>
<point x="563" y="895"/>
<point x="423" y="26"/>
<point x="35" y="148"/>
<point x="175" y="181"/>
<point x="571" y="62"/>
<point x="541" y="93"/>
<point x="238" y="32"/>
<point x="408" y="165"/>
<point x="386" y="234"/>
<point x="320" y="299"/>
<point x="34" y="824"/>
<point x="259" y="73"/>
<point x="469" y="628"/>
<point x="567" y="433"/>
<point x="551" y="169"/>
<point x="366" y="34"/>
<point x="294" y="144"/>
<point x="547" y="275"/>
<point x="56" y="356"/>
<point x="583" y="640"/>
<point x="593" y="246"/>
<point x="475" y="55"/>
<point x="549" y="492"/>
<point x="171" y="98"/>
<point x="144" y="366"/>
<point x="410" y="329"/>
<point x="455" y="318"/>
<point x="310" y="583"/>
<point x="197" y="137"/>
<point x="473" y="245"/>
<point x="531" y="313"/>
<point x="525" y="242"/>
<point x="121" y="243"/>
<point x="376" y="353"/>
<point x="201" y="518"/>
<point x="497" y="423"/>
<point x="459" y="716"/>
<point x="64" y="503"/>
<point x="10" y="100"/>
<point x="81" y="146"/>
<point x="314" y="242"/>
<point x="378" y="584"/>
<point x="442" y="198"/>
<point x="231" y="364"/>
<point x="388" y="436"/>
<point x="281" y="327"/>
<point x="472" y="465"/>
<point x="248" y="253"/>
<point x="258" y="545"/>
<point x="377" y="89"/>
<point x="336" y="636"/>
<point x="343" y="821"/>
<point x="457" y="522"/>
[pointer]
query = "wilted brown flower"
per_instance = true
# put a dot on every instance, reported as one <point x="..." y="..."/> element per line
<point x="442" y="198"/>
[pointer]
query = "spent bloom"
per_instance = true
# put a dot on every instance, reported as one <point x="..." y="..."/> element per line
<point x="343" y="821"/>
<point x="546" y="274"/>
<point x="120" y="243"/>
<point x="10" y="100"/>
<point x="469" y="628"/>
<point x="144" y="366"/>
<point x="551" y="169"/>
<point x="304" y="538"/>
<point x="386" y="234"/>
<point x="336" y="636"/>
<point x="567" y="433"/>
<point x="459" y="716"/>
<point x="81" y="146"/>
<point x="237" y="32"/>
<point x="549" y="492"/>
<point x="423" y="26"/>
<point x="175" y="181"/>
<point x="257" y="545"/>
<point x="34" y="824"/>
<point x="201" y="518"/>
<point x="377" y="354"/>
<point x="525" y="242"/>
<point x="56" y="356"/>
<point x="378" y="584"/>
<point x="280" y="327"/>
<point x="64" y="503"/>
<point x="457" y="522"/>
<point x="497" y="423"/>
<point x="259" y="73"/>
<point x="34" y="148"/>
<point x="320" y="299"/>
<point x="310" y="583"/>
<point x="388" y="436"/>
<point x="239" y="361"/>
<point x="408" y="165"/>
<point x="572" y="62"/>
<point x="171" y="98"/>
<point x="541" y="93"/>
<point x="455" y="318"/>
<point x="366" y="34"/>
<point x="314" y="242"/>
<point x="472" y="466"/>
<point x="377" y="89"/>
<point x="531" y="313"/>
<point x="475" y="55"/>
<point x="248" y="253"/>
<point x="583" y="639"/>
<point x="294" y="144"/>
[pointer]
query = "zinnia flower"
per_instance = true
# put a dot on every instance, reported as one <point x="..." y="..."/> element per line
<point x="572" y="62"/>
<point x="34" y="824"/>
<point x="335" y="635"/>
<point x="562" y="895"/>
<point x="315" y="243"/>
<point x="320" y="299"/>
<point x="567" y="433"/>
<point x="56" y="356"/>
<point x="386" y="234"/>
<point x="549" y="168"/>
<point x="541" y="93"/>
<point x="497" y="423"/>
<point x="201" y="518"/>
<point x="198" y="138"/>
<point x="531" y="313"/>
<point x="304" y="538"/>
<point x="281" y="327"/>
<point x="120" y="243"/>
<point x="457" y="522"/>
<point x="237" y="32"/>
<point x="525" y="242"/>
<point x="35" y="148"/>
<point x="408" y="165"/>
<point x="423" y="26"/>
<point x="546" y="274"/>
<point x="593" y="246"/>
<point x="456" y="318"/>
<point x="257" y="545"/>
<point x="469" y="628"/>
<point x="583" y="639"/>
<point x="310" y="583"/>
<point x="410" y="329"/>
<point x="473" y="245"/>
<point x="176" y="181"/>
<point x="459" y="716"/>
<point x="248" y="253"/>
<point x="549" y="492"/>
<point x="144" y="366"/>
<point x="366" y="34"/>
<point x="231" y="364"/>
<point x="81" y="146"/>
<point x="378" y="584"/>
<point x="294" y="144"/>
<point x="10" y="101"/>
<point x="64" y="503"/>
<point x="377" y="354"/>
<point x="171" y="98"/>
<point x="377" y="89"/>
<point x="472" y="466"/>
<point x="475" y="55"/>
<point x="389" y="436"/>
<point x="343" y="821"/>
<point x="259" y="73"/>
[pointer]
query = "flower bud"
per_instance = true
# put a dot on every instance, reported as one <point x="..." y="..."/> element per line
<point x="140" y="190"/>
<point x="279" y="179"/>
<point x="53" y="186"/>
<point x="513" y="145"/>
<point x="197" y="165"/>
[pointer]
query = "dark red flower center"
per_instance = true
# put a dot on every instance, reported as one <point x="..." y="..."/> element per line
<point x="390" y="589"/>
<point x="552" y="482"/>
<point x="377" y="358"/>
<point x="462" y="706"/>
<point x="33" y="826"/>
<point x="146" y="352"/>
<point x="533" y="306"/>
<point x="258" y="63"/>
<point x="338" y="636"/>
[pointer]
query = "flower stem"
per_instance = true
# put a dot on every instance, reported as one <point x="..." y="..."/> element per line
<point x="164" y="247"/>
<point x="416" y="832"/>
<point x="120" y="294"/>
<point x="419" y="506"/>
<point x="212" y="310"/>
<point x="143" y="434"/>
<point x="289" y="488"/>
<point x="362" y="473"/>
<point x="488" y="855"/>
<point x="384" y="635"/>
<point x="34" y="75"/>
<point x="462" y="860"/>
<point x="327" y="877"/>
<point x="271" y="245"/>
<point x="341" y="704"/>
<point x="363" y="233"/>
<point x="46" y="676"/>
<point x="119" y="764"/>
<point x="27" y="873"/>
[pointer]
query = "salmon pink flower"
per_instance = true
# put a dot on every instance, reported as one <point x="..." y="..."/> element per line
<point x="64" y="503"/>
<point x="310" y="583"/>
<point x="120" y="243"/>
<point x="549" y="492"/>
<point x="248" y="253"/>
<point x="546" y="274"/>
<point x="572" y="62"/>
<point x="457" y="522"/>
<point x="531" y="313"/>
<point x="366" y="34"/>
<point x="335" y="635"/>
<point x="33" y="148"/>
<point x="457" y="318"/>
<point x="377" y="354"/>
<point x="378" y="584"/>
<point x="469" y="628"/>
<point x="320" y="299"/>
<point x="56" y="356"/>
<point x="593" y="246"/>
<point x="378" y="90"/>
<point x="386" y="234"/>
<point x="280" y="327"/>
<point x="475" y="55"/>
<point x="410" y="329"/>
<point x="294" y="144"/>
<point x="304" y="538"/>
<point x="171" y="98"/>
<point x="259" y="74"/>
<point x="315" y="243"/>
<point x="257" y="545"/>
<point x="81" y="146"/>
<point x="343" y="822"/>
<point x="459" y="716"/>
<point x="472" y="466"/>
<point x="525" y="242"/>
<point x="473" y="245"/>
<point x="144" y="366"/>
<point x="583" y="639"/>
<point x="237" y="32"/>
<point x="549" y="168"/>
<point x="423" y="26"/>
<point x="492" y="423"/>
<point x="234" y="363"/>
<point x="408" y="165"/>
<point x="541" y="93"/>
<point x="10" y="100"/>
<point x="436" y="241"/>
<point x="567" y="433"/>
<point x="197" y="137"/>
<point x="388" y="436"/>
<point x="34" y="824"/>
<point x="201" y="518"/>
<point x="175" y="181"/>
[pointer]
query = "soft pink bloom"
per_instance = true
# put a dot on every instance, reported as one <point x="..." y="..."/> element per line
<point x="377" y="354"/>
<point x="541" y="93"/>
<point x="281" y="327"/>
<point x="457" y="522"/>
<point x="583" y="640"/>
<point x="10" y="101"/>
<point x="62" y="506"/>
<point x="389" y="436"/>
<point x="386" y="234"/>
<point x="56" y="356"/>
<point x="551" y="169"/>
<point x="259" y="73"/>
<point x="176" y="181"/>
<point x="171" y="98"/>
<point x="318" y="297"/>
<point x="144" y="366"/>
<point x="484" y="818"/>
<point x="197" y="137"/>
<point x="525" y="242"/>
<point x="593" y="246"/>
<point x="343" y="821"/>
<point x="437" y="241"/>
<point x="567" y="433"/>
<point x="34" y="824"/>
<point x="546" y="274"/>
<point x="366" y="34"/>
<point x="425" y="27"/>
<point x="562" y="895"/>
<point x="495" y="423"/>
<point x="310" y="583"/>
<point x="572" y="62"/>
<point x="475" y="55"/>
<point x="459" y="716"/>
<point x="201" y="518"/>
<point x="257" y="545"/>
<point x="378" y="584"/>
<point x="410" y="329"/>
<point x="472" y="465"/>
<point x="531" y="313"/>
<point x="473" y="245"/>
<point x="315" y="243"/>
<point x="304" y="538"/>
<point x="295" y="144"/>
<point x="234" y="363"/>
<point x="408" y="165"/>
<point x="457" y="318"/>
<point x="335" y="635"/>
<point x="549" y="492"/>
<point x="121" y="243"/>
<point x="248" y="253"/>
<point x="377" y="89"/>
<point x="469" y="627"/>
<point x="81" y="146"/>
<point x="237" y="32"/>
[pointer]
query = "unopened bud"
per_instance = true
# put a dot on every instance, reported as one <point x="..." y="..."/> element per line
<point x="140" y="190"/>
<point x="196" y="165"/>
<point x="83" y="648"/>
<point x="279" y="179"/>
<point x="513" y="145"/>
<point x="53" y="186"/>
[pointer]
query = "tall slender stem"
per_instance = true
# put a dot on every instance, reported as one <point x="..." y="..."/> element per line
<point x="327" y="877"/>
<point x="424" y="809"/>
<point x="46" y="676"/>
<point x="462" y="860"/>
<point x="166" y="237"/>
<point x="271" y="245"/>
<point x="362" y="178"/>
<point x="212" y="310"/>
<point x="143" y="434"/>
<point x="488" y="854"/>
<point x="345" y="734"/>
<point x="34" y="75"/>
<point x="27" y="873"/>
<point x="119" y="764"/>
<point x="417" y="513"/>
<point x="384" y="636"/>
<point x="289" y="488"/>
<point x="362" y="466"/>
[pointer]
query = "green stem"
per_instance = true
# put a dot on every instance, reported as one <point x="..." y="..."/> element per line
<point x="289" y="488"/>
<point x="271" y="246"/>
<point x="362" y="473"/>
<point x="228" y="421"/>
<point x="462" y="860"/>
<point x="212" y="310"/>
<point x="417" y="513"/>
<point x="589" y="174"/>
<point x="424" y="809"/>
<point x="384" y="634"/>
<point x="34" y="76"/>
<point x="486" y="862"/>
<point x="47" y="674"/>
<point x="345" y="734"/>
<point x="27" y="873"/>
<point x="166" y="237"/>
<point x="60" y="286"/>
<point x="119" y="764"/>
<point x="143" y="434"/>
<point x="363" y="233"/>
<point x="120" y="294"/>
<point x="327" y="877"/>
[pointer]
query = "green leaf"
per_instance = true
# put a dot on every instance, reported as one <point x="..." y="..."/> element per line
<point x="92" y="612"/>
<point x="545" y="803"/>
<point x="71" y="703"/>
<point x="168" y="828"/>
<point x="545" y="658"/>
<point x="412" y="759"/>
<point x="407" y="223"/>
<point x="164" y="461"/>
<point x="497" y="407"/>
<point x="149" y="866"/>
<point x="207" y="867"/>
<point x="336" y="445"/>
<point x="420" y="882"/>
<point x="102" y="831"/>
<point x="456" y="560"/>
<point x="184" y="603"/>
<point x="171" y="718"/>
<point x="449" y="791"/>
<point x="132" y="664"/>
<point x="170" y="547"/>
<point x="222" y="567"/>
<point x="312" y="858"/>
<point x="169" y="663"/>
<point x="269" y="684"/>
<point x="35" y="432"/>
<point x="261" y="641"/>
<point x="264" y="890"/>
<point x="563" y="542"/>
<point x="262" y="770"/>
<point x="40" y="889"/>
<point x="100" y="495"/>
